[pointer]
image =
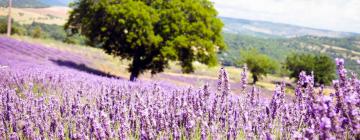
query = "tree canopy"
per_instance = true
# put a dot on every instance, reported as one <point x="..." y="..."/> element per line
<point x="257" y="63"/>
<point x="151" y="33"/>
<point x="322" y="66"/>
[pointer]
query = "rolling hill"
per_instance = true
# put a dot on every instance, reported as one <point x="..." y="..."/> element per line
<point x="267" y="29"/>
<point x="24" y="3"/>
<point x="35" y="3"/>
<point x="280" y="40"/>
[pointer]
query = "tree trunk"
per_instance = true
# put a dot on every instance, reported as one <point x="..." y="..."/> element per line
<point x="134" y="75"/>
<point x="255" y="79"/>
<point x="135" y="68"/>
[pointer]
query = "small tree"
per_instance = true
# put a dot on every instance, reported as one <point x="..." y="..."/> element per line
<point x="16" y="28"/>
<point x="258" y="64"/>
<point x="322" y="66"/>
<point x="37" y="32"/>
<point x="151" y="33"/>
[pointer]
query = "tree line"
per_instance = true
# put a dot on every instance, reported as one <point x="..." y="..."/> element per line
<point x="41" y="30"/>
<point x="321" y="66"/>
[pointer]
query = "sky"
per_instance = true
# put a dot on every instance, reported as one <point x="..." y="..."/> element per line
<point x="337" y="15"/>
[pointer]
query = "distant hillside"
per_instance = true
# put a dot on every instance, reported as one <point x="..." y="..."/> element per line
<point x="57" y="2"/>
<point x="274" y="30"/>
<point x="24" y="3"/>
<point x="50" y="15"/>
<point x="35" y="3"/>
<point x="279" y="48"/>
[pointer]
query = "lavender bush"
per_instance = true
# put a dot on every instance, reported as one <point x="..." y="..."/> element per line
<point x="43" y="101"/>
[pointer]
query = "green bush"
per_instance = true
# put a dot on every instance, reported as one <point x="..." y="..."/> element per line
<point x="322" y="66"/>
<point x="36" y="32"/>
<point x="51" y="31"/>
<point x="41" y="30"/>
<point x="258" y="64"/>
<point x="15" y="28"/>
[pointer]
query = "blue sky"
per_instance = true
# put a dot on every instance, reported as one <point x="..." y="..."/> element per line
<point x="338" y="15"/>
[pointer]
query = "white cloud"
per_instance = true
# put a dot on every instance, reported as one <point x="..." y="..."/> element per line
<point x="339" y="15"/>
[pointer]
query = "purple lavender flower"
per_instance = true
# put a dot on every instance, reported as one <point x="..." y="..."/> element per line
<point x="226" y="83"/>
<point x="220" y="79"/>
<point x="243" y="81"/>
<point x="14" y="136"/>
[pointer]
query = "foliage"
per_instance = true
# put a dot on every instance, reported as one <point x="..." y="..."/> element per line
<point x="15" y="28"/>
<point x="322" y="66"/>
<point x="48" y="30"/>
<point x="345" y="42"/>
<point x="41" y="30"/>
<point x="151" y="33"/>
<point x="40" y="100"/>
<point x="258" y="64"/>
<point x="274" y="48"/>
<point x="36" y="32"/>
<point x="75" y="39"/>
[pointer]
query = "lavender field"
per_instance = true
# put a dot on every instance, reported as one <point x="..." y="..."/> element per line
<point x="46" y="96"/>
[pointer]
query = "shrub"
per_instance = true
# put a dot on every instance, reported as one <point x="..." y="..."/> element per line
<point x="37" y="32"/>
<point x="322" y="66"/>
<point x="258" y="64"/>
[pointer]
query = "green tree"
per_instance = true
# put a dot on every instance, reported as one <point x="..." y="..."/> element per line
<point x="47" y="30"/>
<point x="322" y="66"/>
<point x="258" y="64"/>
<point x="151" y="33"/>
<point x="37" y="32"/>
<point x="16" y="28"/>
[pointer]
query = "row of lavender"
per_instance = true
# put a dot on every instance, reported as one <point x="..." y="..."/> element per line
<point x="51" y="103"/>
